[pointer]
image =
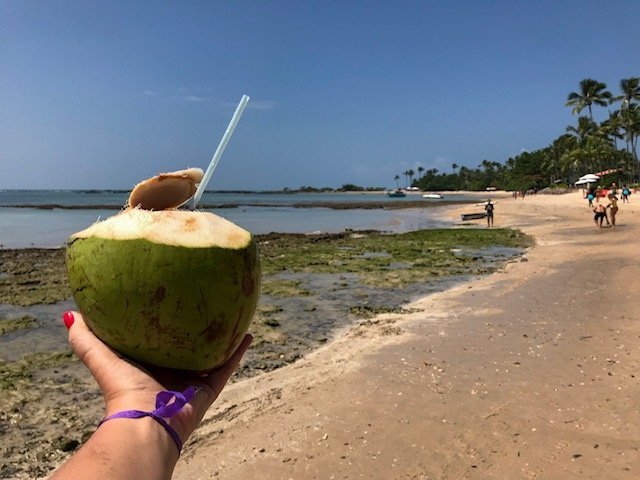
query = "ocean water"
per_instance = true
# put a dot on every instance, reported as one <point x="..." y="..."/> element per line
<point x="27" y="219"/>
<point x="81" y="198"/>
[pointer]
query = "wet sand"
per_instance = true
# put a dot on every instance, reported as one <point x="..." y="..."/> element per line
<point x="531" y="372"/>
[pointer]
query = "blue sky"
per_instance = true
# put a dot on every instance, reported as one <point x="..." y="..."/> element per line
<point x="104" y="94"/>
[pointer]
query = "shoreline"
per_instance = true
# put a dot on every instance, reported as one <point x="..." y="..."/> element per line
<point x="513" y="375"/>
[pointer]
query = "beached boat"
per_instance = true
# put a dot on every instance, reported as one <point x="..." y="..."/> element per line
<point x="433" y="196"/>
<point x="396" y="193"/>
<point x="473" y="216"/>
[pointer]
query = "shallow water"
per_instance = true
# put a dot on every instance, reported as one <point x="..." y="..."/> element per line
<point x="49" y="336"/>
<point x="24" y="228"/>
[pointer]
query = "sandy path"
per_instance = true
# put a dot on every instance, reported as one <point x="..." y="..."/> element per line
<point x="527" y="373"/>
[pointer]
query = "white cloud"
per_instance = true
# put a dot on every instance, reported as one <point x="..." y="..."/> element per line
<point x="148" y="92"/>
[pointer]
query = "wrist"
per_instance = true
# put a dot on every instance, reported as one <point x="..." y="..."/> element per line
<point x="143" y="440"/>
<point x="169" y="410"/>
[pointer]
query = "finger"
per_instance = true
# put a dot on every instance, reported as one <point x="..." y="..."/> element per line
<point x="89" y="348"/>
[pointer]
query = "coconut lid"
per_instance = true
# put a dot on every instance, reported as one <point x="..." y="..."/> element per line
<point x="166" y="190"/>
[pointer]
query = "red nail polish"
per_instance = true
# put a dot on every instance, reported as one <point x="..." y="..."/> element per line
<point x="68" y="319"/>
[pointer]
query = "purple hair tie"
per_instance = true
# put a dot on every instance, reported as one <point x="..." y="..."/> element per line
<point x="165" y="408"/>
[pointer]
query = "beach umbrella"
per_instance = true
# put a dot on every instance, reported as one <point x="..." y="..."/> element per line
<point x="589" y="177"/>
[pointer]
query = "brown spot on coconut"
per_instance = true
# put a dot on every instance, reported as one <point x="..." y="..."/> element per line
<point x="166" y="190"/>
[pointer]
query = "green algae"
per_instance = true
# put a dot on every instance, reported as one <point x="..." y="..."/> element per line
<point x="33" y="276"/>
<point x="14" y="374"/>
<point x="38" y="276"/>
<point x="387" y="260"/>
<point x="8" y="325"/>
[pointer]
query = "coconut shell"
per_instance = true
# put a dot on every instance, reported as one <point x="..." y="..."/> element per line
<point x="173" y="288"/>
<point x="166" y="190"/>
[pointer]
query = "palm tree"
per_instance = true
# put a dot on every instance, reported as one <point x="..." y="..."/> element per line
<point x="591" y="92"/>
<point x="631" y="125"/>
<point x="411" y="173"/>
<point x="406" y="178"/>
<point x="420" y="170"/>
<point x="586" y="127"/>
<point x="396" y="178"/>
<point x="454" y="167"/>
<point x="611" y="129"/>
<point x="630" y="88"/>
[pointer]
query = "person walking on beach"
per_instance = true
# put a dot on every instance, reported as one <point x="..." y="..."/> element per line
<point x="613" y="208"/>
<point x="600" y="214"/>
<point x="489" y="209"/>
<point x="590" y="197"/>
<point x="625" y="194"/>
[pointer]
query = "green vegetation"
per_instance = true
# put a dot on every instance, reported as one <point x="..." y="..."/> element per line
<point x="33" y="276"/>
<point x="14" y="373"/>
<point x="587" y="147"/>
<point x="8" y="325"/>
<point x="386" y="260"/>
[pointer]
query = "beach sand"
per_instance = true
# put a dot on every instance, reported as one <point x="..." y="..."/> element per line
<point x="530" y="372"/>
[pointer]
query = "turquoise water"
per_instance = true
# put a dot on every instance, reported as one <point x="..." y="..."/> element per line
<point x="257" y="212"/>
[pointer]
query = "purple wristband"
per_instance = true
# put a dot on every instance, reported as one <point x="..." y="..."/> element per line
<point x="163" y="410"/>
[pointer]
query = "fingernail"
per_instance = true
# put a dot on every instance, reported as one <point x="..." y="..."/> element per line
<point x="68" y="319"/>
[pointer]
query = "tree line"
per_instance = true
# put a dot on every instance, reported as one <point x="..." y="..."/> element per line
<point x="586" y="147"/>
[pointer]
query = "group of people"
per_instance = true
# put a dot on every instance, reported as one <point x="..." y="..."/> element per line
<point x="600" y="209"/>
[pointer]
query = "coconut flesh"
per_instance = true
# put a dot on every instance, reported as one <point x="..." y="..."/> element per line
<point x="166" y="287"/>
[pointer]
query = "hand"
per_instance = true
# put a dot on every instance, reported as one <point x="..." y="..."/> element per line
<point x="127" y="386"/>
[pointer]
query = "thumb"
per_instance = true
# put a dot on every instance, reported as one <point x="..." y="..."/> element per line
<point x="87" y="347"/>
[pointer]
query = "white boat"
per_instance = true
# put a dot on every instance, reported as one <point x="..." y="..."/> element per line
<point x="433" y="196"/>
<point x="396" y="193"/>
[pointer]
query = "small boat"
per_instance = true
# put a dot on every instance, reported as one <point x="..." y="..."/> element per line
<point x="433" y="196"/>
<point x="396" y="193"/>
<point x="473" y="216"/>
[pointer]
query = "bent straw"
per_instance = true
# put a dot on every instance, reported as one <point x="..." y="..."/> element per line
<point x="221" y="146"/>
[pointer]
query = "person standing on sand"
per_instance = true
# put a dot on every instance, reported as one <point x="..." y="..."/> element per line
<point x="600" y="213"/>
<point x="613" y="206"/>
<point x="489" y="209"/>
<point x="590" y="198"/>
<point x="625" y="194"/>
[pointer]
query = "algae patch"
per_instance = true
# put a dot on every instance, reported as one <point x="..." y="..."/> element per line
<point x="33" y="276"/>
<point x="387" y="260"/>
<point x="14" y="373"/>
<point x="8" y="325"/>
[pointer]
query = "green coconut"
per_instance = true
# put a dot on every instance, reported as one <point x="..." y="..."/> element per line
<point x="171" y="288"/>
